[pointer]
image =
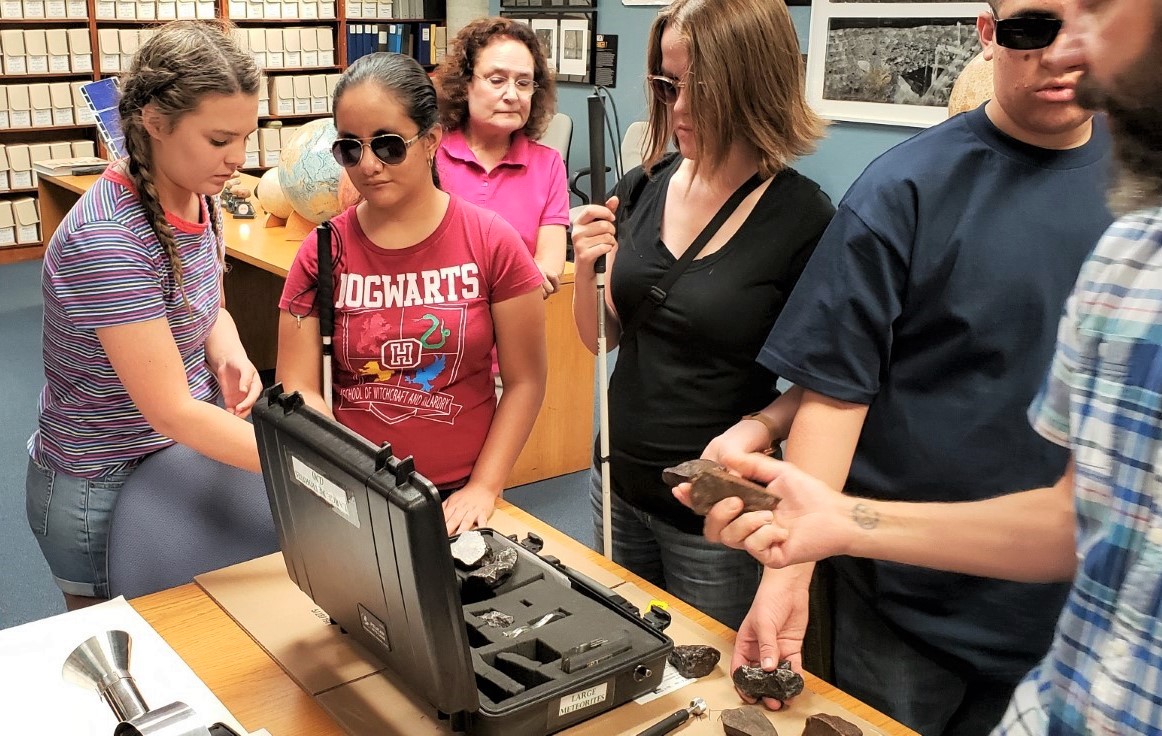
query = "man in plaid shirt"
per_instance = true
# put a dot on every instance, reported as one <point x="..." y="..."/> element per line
<point x="1101" y="524"/>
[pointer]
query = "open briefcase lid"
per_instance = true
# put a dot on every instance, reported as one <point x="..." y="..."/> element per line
<point x="363" y="535"/>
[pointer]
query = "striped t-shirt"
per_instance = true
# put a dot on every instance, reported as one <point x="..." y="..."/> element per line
<point x="106" y="267"/>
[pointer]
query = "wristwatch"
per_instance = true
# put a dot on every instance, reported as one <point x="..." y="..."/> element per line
<point x="767" y="422"/>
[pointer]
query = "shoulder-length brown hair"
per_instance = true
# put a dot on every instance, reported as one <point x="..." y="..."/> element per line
<point x="746" y="83"/>
<point x="455" y="73"/>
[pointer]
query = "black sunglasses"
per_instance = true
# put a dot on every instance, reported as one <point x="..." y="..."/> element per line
<point x="389" y="148"/>
<point x="1026" y="33"/>
<point x="665" y="88"/>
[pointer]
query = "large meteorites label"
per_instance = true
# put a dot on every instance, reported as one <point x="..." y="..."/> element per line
<point x="583" y="699"/>
<point x="333" y="495"/>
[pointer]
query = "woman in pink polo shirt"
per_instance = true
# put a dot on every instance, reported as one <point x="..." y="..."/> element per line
<point x="497" y="95"/>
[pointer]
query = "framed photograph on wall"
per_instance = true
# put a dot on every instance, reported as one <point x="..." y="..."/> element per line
<point x="888" y="62"/>
<point x="568" y="38"/>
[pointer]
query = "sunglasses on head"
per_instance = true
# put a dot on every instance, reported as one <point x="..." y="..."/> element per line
<point x="665" y="89"/>
<point x="1026" y="33"/>
<point x="389" y="148"/>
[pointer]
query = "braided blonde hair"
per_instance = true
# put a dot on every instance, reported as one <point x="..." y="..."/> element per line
<point x="181" y="64"/>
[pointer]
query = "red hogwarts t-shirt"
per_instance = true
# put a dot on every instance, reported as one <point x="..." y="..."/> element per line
<point x="414" y="333"/>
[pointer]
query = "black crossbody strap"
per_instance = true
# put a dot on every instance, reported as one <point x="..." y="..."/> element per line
<point x="656" y="296"/>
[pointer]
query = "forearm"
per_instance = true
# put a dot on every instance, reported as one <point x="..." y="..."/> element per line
<point x="823" y="437"/>
<point x="510" y="429"/>
<point x="585" y="313"/>
<point x="1027" y="536"/>
<point x="210" y="431"/>
<point x="223" y="341"/>
<point x="550" y="252"/>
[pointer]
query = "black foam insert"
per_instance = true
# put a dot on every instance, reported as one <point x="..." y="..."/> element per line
<point x="510" y="669"/>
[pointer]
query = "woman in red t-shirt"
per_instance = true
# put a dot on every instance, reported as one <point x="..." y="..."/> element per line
<point x="425" y="286"/>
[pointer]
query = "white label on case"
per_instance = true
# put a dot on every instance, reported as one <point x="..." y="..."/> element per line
<point x="335" y="496"/>
<point x="583" y="699"/>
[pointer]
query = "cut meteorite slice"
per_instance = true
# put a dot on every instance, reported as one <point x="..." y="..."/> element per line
<point x="694" y="660"/>
<point x="825" y="724"/>
<point x="470" y="549"/>
<point x="780" y="684"/>
<point x="711" y="486"/>
<point x="685" y="472"/>
<point x="746" y="722"/>
<point x="496" y="570"/>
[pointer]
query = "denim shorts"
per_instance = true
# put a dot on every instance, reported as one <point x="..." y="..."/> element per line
<point x="70" y="517"/>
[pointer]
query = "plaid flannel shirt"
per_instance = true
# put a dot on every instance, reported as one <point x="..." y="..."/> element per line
<point x="1103" y="400"/>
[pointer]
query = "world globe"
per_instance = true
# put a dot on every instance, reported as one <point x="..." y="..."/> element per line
<point x="271" y="196"/>
<point x="309" y="174"/>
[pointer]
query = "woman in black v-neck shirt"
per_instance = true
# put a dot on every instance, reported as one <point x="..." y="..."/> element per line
<point x="687" y="371"/>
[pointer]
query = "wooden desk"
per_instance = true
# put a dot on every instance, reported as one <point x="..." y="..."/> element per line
<point x="259" y="257"/>
<point x="261" y="695"/>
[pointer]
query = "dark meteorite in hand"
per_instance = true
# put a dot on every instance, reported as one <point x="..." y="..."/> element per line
<point x="779" y="684"/>
<point x="710" y="483"/>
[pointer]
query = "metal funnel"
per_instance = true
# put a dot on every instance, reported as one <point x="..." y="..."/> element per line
<point x="101" y="663"/>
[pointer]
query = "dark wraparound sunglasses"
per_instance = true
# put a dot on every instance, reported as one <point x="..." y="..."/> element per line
<point x="389" y="148"/>
<point x="1026" y="33"/>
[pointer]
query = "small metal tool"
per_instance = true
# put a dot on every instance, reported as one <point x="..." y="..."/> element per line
<point x="676" y="719"/>
<point x="546" y="619"/>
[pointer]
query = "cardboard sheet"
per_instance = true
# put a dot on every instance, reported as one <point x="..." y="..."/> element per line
<point x="296" y="633"/>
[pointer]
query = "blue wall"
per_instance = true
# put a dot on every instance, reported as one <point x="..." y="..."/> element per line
<point x="840" y="158"/>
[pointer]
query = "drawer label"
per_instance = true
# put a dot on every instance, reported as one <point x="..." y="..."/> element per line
<point x="333" y="495"/>
<point x="583" y="699"/>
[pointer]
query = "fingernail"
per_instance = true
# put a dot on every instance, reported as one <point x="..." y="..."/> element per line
<point x="768" y="663"/>
<point x="767" y="516"/>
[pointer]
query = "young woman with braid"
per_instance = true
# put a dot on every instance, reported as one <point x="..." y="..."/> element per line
<point x="140" y="354"/>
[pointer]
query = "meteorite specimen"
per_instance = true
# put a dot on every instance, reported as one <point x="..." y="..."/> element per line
<point x="497" y="619"/>
<point x="694" y="660"/>
<point x="710" y="483"/>
<point x="498" y="567"/>
<point x="746" y="722"/>
<point x="470" y="549"/>
<point x="779" y="684"/>
<point x="825" y="724"/>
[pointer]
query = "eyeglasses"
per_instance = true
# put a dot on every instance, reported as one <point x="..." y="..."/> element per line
<point x="389" y="148"/>
<point x="664" y="88"/>
<point x="524" y="85"/>
<point x="1026" y="33"/>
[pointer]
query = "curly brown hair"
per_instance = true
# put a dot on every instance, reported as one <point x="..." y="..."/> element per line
<point x="455" y="73"/>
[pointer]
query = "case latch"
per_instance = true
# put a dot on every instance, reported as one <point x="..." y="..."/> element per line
<point x="658" y="617"/>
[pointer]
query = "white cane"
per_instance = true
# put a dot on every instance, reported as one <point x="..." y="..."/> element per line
<point x="597" y="196"/>
<point x="326" y="304"/>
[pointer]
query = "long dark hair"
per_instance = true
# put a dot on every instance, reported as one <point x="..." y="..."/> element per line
<point x="181" y="64"/>
<point x="403" y="78"/>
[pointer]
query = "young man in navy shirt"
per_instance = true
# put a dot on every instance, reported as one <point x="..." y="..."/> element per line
<point x="917" y="338"/>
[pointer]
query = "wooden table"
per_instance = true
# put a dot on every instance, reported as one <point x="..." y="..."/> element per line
<point x="259" y="257"/>
<point x="257" y="691"/>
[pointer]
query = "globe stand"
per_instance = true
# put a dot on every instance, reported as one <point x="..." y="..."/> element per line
<point x="297" y="226"/>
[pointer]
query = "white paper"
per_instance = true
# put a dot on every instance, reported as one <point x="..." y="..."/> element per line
<point x="671" y="681"/>
<point x="573" y="54"/>
<point x="546" y="30"/>
<point x="38" y="700"/>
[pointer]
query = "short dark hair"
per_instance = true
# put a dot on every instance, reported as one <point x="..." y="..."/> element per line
<point x="455" y="73"/>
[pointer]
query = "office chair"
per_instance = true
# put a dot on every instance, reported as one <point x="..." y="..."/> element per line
<point x="559" y="135"/>
<point x="632" y="152"/>
<point x="182" y="514"/>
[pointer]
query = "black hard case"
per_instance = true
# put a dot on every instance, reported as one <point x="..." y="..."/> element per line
<point x="363" y="535"/>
